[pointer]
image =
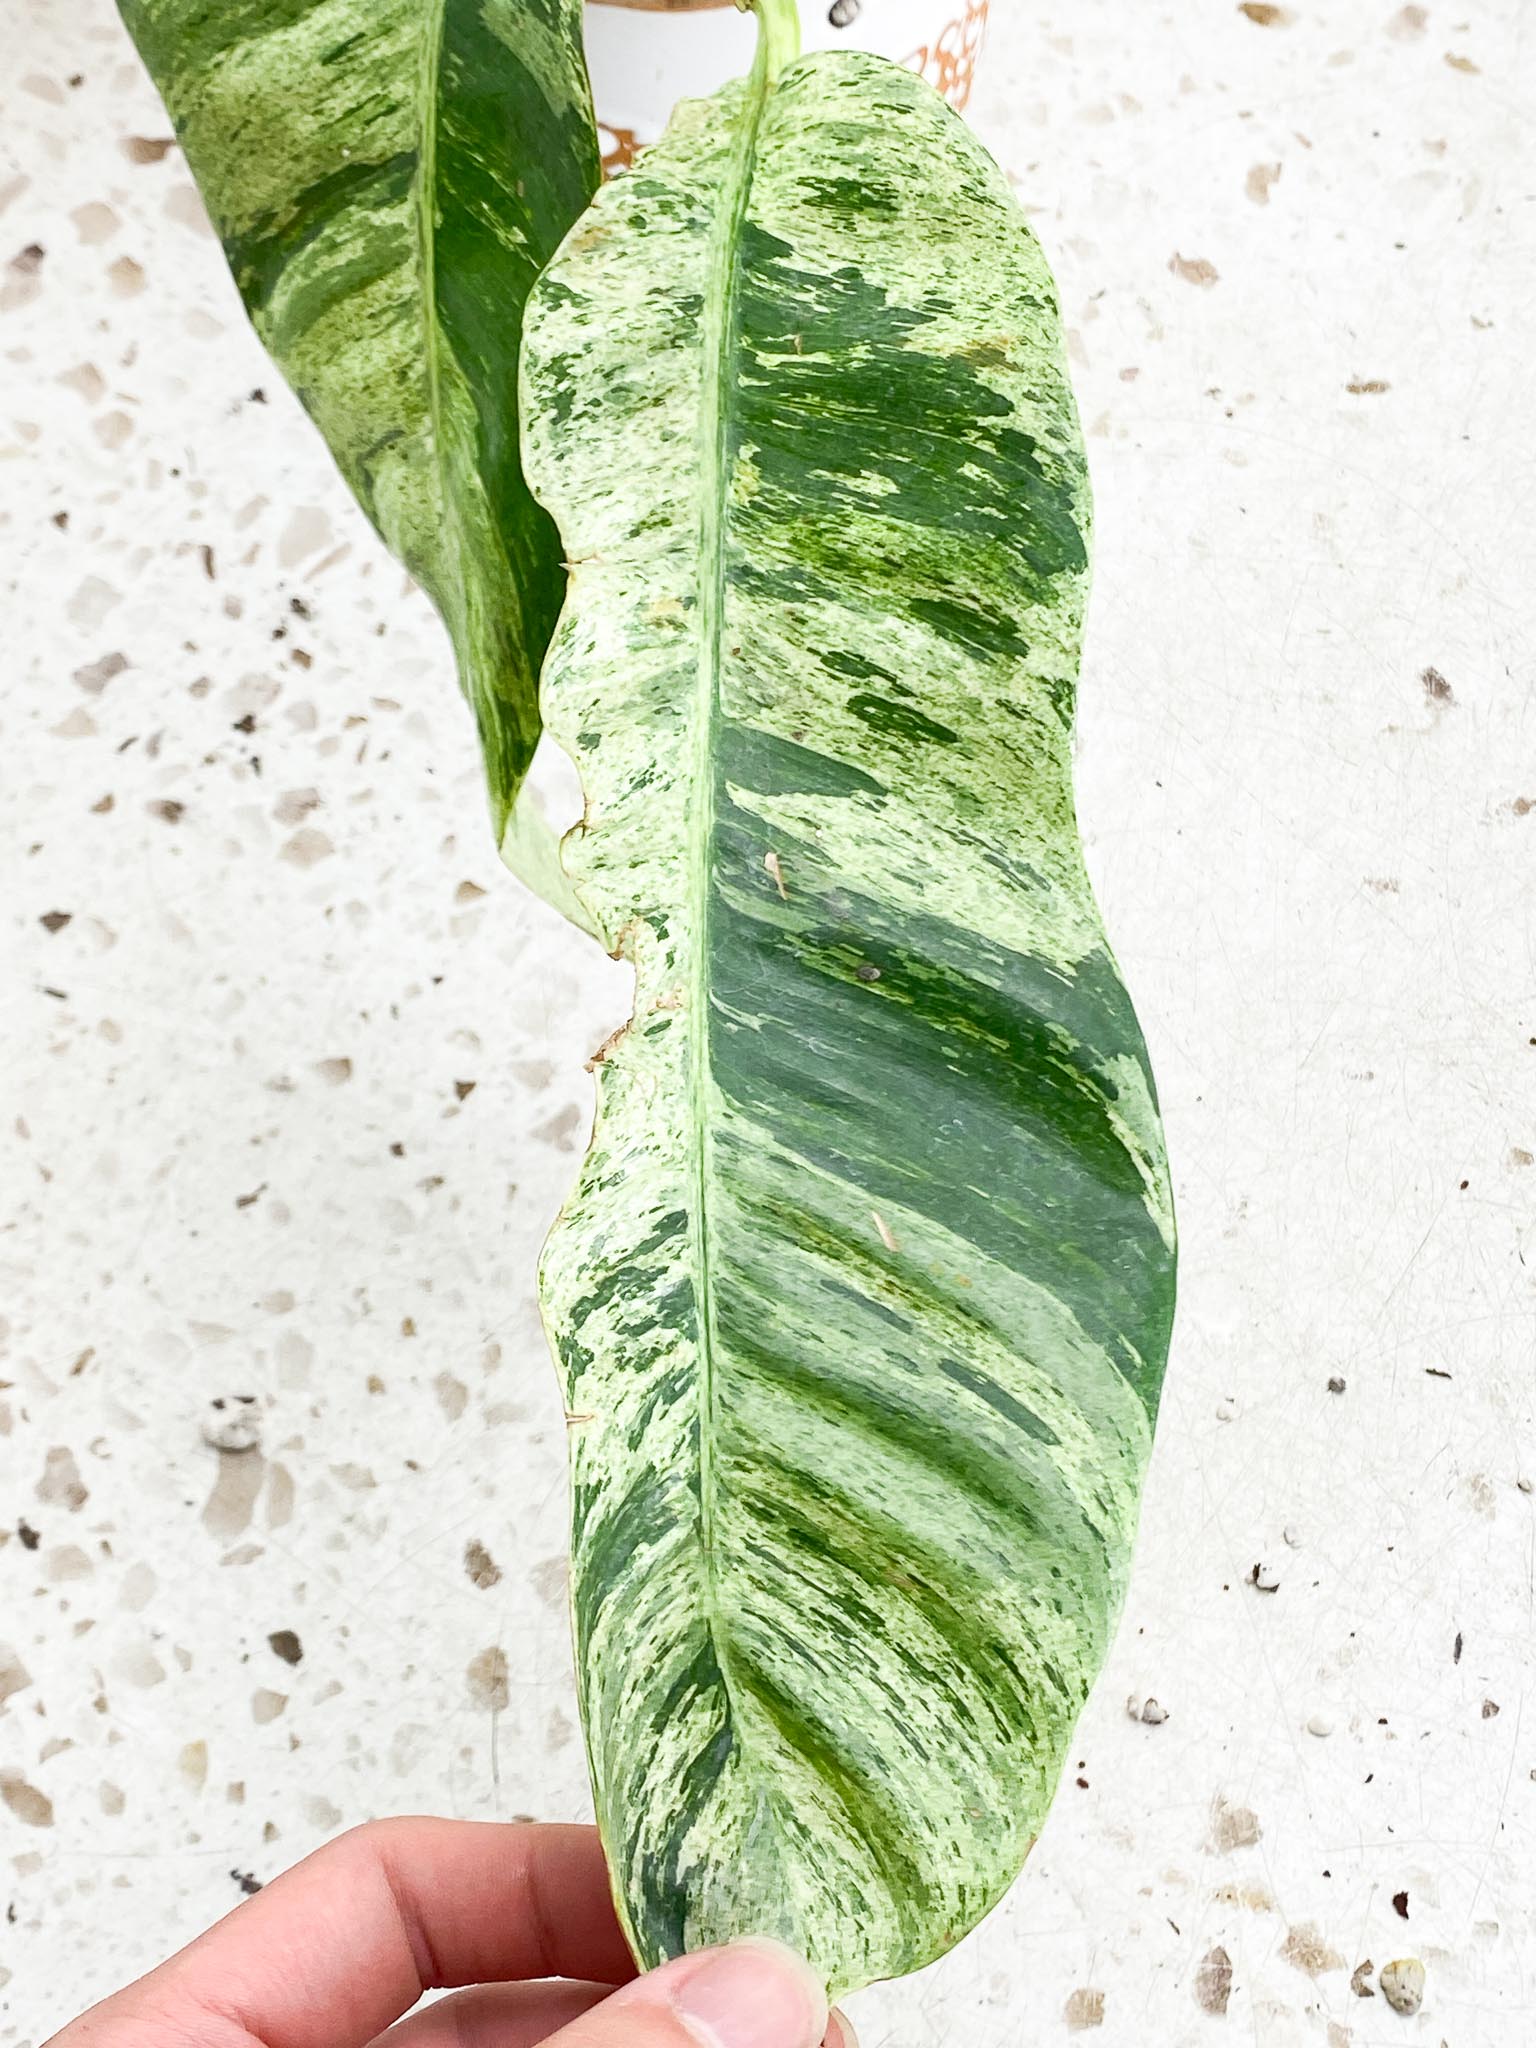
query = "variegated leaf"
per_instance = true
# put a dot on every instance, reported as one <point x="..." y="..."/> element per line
<point x="388" y="177"/>
<point x="864" y="1297"/>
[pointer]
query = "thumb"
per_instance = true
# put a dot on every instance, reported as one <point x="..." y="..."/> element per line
<point x="751" y="1994"/>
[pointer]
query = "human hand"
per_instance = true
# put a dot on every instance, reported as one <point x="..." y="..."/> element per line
<point x="331" y="1954"/>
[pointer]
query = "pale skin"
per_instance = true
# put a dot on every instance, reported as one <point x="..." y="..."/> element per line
<point x="338" y="1951"/>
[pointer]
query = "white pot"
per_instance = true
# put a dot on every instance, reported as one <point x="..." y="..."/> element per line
<point x="645" y="55"/>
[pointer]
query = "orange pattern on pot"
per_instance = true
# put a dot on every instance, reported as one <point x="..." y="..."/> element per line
<point x="949" y="62"/>
<point x="619" y="146"/>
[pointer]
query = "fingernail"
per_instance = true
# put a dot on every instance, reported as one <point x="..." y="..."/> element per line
<point x="840" y="2032"/>
<point x="753" y="1994"/>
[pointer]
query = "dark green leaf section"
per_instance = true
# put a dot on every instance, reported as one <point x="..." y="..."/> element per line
<point x="863" y="1301"/>
<point x="388" y="178"/>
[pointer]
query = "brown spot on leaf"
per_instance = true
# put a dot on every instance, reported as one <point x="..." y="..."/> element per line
<point x="609" y="1045"/>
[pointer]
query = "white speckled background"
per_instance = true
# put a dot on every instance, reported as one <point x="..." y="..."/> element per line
<point x="291" y="1095"/>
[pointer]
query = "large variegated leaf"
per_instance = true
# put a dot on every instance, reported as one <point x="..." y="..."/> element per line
<point x="388" y="177"/>
<point x="864" y="1297"/>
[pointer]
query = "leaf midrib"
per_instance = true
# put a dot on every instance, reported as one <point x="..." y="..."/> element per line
<point x="720" y="331"/>
<point x="433" y="30"/>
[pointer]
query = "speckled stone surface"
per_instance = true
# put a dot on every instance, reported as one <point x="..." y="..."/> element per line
<point x="294" y="1074"/>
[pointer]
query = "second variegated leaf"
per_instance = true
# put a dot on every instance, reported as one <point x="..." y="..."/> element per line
<point x="388" y="177"/>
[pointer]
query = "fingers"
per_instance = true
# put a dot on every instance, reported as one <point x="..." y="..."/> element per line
<point x="751" y="1994"/>
<point x="333" y="1951"/>
<point x="523" y="2015"/>
<point x="496" y="2016"/>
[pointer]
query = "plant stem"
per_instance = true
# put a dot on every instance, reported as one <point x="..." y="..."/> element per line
<point x="778" y="34"/>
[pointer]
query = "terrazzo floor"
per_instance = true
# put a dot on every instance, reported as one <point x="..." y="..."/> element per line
<point x="294" y="1082"/>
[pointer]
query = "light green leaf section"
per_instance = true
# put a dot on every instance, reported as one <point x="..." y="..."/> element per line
<point x="863" y="1300"/>
<point x="388" y="177"/>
